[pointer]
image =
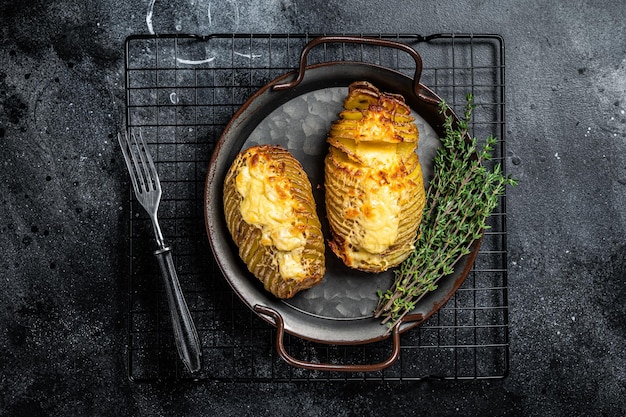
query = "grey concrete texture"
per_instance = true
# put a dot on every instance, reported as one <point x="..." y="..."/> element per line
<point x="62" y="182"/>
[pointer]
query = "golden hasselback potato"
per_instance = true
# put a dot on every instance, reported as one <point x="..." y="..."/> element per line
<point x="373" y="180"/>
<point x="270" y="213"/>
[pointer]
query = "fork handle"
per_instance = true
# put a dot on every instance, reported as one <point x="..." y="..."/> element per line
<point x="185" y="334"/>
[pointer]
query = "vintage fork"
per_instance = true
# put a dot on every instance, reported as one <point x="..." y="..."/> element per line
<point x="147" y="188"/>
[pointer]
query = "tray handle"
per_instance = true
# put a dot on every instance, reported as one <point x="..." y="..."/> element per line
<point x="362" y="40"/>
<point x="315" y="366"/>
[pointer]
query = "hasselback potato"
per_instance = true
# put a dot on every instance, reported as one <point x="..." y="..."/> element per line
<point x="270" y="213"/>
<point x="374" y="190"/>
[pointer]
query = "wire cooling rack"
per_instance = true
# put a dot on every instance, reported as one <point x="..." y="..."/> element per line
<point x="181" y="92"/>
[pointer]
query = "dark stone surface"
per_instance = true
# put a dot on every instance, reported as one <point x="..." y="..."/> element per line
<point x="62" y="313"/>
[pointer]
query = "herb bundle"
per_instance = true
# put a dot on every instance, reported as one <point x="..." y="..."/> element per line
<point x="460" y="198"/>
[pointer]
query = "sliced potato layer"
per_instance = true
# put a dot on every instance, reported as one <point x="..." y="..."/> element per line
<point x="270" y="213"/>
<point x="373" y="180"/>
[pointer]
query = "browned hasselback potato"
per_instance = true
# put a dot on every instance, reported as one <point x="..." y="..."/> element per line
<point x="270" y="213"/>
<point x="373" y="180"/>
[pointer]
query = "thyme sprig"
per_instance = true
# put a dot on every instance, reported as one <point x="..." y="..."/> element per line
<point x="460" y="198"/>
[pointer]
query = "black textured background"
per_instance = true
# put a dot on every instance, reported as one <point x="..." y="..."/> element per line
<point x="62" y="182"/>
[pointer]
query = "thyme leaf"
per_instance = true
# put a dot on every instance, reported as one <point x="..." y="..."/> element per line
<point x="460" y="198"/>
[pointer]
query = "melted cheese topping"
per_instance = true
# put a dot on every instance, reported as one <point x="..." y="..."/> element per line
<point x="268" y="204"/>
<point x="290" y="264"/>
<point x="379" y="218"/>
<point x="376" y="154"/>
<point x="373" y="129"/>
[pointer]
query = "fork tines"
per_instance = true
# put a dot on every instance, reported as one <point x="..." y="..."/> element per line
<point x="139" y="162"/>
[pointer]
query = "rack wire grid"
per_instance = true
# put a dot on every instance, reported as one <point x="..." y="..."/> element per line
<point x="181" y="91"/>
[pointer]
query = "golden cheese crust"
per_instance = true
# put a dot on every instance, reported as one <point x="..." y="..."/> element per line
<point x="373" y="180"/>
<point x="271" y="215"/>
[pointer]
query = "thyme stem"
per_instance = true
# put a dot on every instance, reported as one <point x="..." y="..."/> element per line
<point x="460" y="198"/>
